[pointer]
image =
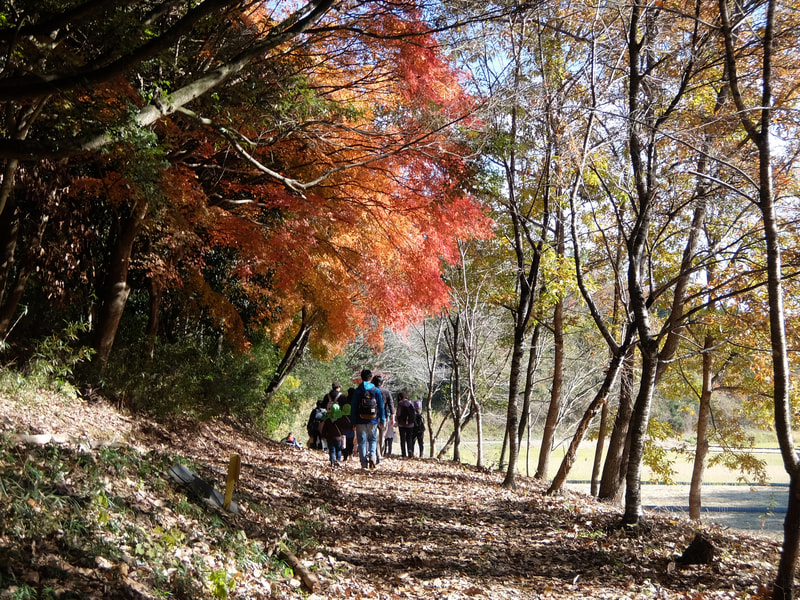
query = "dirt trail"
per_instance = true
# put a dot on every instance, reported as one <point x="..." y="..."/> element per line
<point x="428" y="529"/>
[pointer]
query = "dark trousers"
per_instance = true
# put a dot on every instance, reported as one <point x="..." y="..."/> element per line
<point x="335" y="451"/>
<point x="348" y="446"/>
<point x="418" y="437"/>
<point x="387" y="446"/>
<point x="407" y="441"/>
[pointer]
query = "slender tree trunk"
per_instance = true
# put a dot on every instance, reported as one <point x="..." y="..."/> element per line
<point x="600" y="398"/>
<point x="292" y="355"/>
<point x="759" y="132"/>
<point x="598" y="450"/>
<point x="503" y="449"/>
<point x="527" y="281"/>
<point x="476" y="410"/>
<point x="456" y="409"/>
<point x="701" y="449"/>
<point x="431" y="360"/>
<point x="451" y="439"/>
<point x="116" y="292"/>
<point x="9" y="291"/>
<point x="530" y="373"/>
<point x="551" y="421"/>
<point x="616" y="462"/>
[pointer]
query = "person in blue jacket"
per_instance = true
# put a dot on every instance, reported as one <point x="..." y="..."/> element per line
<point x="361" y="414"/>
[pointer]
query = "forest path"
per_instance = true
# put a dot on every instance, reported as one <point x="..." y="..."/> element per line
<point x="420" y="528"/>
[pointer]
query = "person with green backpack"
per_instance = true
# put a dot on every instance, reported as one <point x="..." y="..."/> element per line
<point x="330" y="431"/>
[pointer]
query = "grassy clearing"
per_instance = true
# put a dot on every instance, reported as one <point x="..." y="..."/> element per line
<point x="493" y="432"/>
<point x="582" y="469"/>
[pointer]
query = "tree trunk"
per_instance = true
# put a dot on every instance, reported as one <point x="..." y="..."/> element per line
<point x="616" y="462"/>
<point x="600" y="398"/>
<point x="551" y="421"/>
<point x="7" y="185"/>
<point x="503" y="449"/>
<point x="292" y="355"/>
<point x="598" y="451"/>
<point x="9" y="236"/>
<point x="512" y="414"/>
<point x="759" y="132"/>
<point x="476" y="410"/>
<point x="530" y="373"/>
<point x="431" y="360"/>
<point x="116" y="285"/>
<point x="456" y="410"/>
<point x="450" y="440"/>
<point x="701" y="449"/>
<point x="638" y="433"/>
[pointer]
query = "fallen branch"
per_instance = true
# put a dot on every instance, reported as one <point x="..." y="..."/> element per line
<point x="309" y="579"/>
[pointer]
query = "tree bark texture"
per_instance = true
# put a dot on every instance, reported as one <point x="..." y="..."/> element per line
<point x="598" y="452"/>
<point x="554" y="408"/>
<point x="701" y="449"/>
<point x="600" y="398"/>
<point x="616" y="463"/>
<point x="292" y="354"/>
<point x="116" y="291"/>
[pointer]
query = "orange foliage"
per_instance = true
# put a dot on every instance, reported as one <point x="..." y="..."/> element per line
<point x="367" y="120"/>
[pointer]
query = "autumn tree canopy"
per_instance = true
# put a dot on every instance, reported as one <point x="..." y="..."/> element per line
<point x="263" y="172"/>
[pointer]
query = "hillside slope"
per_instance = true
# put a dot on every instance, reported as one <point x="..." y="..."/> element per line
<point x="96" y="515"/>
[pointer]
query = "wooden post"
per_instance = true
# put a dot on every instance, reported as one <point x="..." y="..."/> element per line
<point x="234" y="467"/>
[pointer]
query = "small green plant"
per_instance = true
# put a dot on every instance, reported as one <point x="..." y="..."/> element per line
<point x="48" y="593"/>
<point x="595" y="534"/>
<point x="172" y="538"/>
<point x="24" y="592"/>
<point x="221" y="584"/>
<point x="56" y="356"/>
<point x="303" y="532"/>
<point x="116" y="457"/>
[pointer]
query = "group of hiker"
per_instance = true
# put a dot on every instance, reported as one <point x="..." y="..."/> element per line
<point x="364" y="420"/>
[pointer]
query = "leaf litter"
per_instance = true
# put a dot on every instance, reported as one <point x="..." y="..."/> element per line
<point x="410" y="529"/>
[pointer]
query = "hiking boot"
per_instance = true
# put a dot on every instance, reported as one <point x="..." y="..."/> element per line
<point x="371" y="464"/>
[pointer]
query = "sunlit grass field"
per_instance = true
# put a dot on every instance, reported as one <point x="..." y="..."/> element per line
<point x="582" y="469"/>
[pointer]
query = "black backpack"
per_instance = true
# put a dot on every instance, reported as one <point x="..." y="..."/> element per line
<point x="405" y="414"/>
<point x="419" y="422"/>
<point x="314" y="420"/>
<point x="368" y="405"/>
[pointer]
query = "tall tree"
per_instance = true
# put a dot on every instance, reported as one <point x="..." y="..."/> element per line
<point x="774" y="44"/>
<point x="293" y="155"/>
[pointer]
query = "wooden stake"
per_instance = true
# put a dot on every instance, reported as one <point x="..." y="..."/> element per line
<point x="234" y="466"/>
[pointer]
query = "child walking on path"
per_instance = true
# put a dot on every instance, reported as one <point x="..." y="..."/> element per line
<point x="388" y="437"/>
<point x="419" y="428"/>
<point x="348" y="431"/>
<point x="330" y="432"/>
